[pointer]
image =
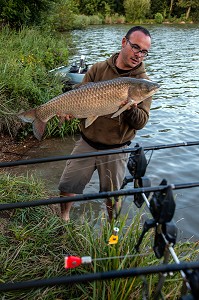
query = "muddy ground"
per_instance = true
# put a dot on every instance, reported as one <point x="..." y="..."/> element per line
<point x="11" y="150"/>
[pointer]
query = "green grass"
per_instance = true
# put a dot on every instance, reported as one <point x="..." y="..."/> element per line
<point x="26" y="56"/>
<point x="34" y="241"/>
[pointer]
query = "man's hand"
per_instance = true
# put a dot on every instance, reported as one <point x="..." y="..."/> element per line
<point x="134" y="105"/>
<point x="63" y="118"/>
<point x="68" y="117"/>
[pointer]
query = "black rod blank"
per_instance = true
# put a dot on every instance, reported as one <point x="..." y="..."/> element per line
<point x="91" y="154"/>
<point x="64" y="280"/>
<point x="102" y="195"/>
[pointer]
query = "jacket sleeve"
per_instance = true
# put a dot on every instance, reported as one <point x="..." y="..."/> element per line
<point x="137" y="117"/>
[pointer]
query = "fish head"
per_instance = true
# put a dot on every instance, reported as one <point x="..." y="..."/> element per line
<point x="141" y="89"/>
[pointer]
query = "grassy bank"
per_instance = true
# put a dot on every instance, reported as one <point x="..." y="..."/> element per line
<point x="26" y="57"/>
<point x="34" y="241"/>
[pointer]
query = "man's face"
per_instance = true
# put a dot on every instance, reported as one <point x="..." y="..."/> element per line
<point x="135" y="49"/>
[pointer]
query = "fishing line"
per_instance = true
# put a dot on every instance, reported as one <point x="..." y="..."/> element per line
<point x="96" y="165"/>
<point x="149" y="159"/>
<point x="187" y="206"/>
<point x="86" y="159"/>
<point x="122" y="256"/>
<point x="176" y="155"/>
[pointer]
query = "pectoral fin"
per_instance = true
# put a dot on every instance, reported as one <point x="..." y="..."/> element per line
<point x="123" y="108"/>
<point x="90" y="120"/>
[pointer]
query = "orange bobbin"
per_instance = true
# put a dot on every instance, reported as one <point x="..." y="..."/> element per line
<point x="75" y="261"/>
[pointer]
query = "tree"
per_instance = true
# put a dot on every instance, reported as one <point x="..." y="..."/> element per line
<point x="188" y="4"/>
<point x="18" y="12"/>
<point x="171" y="7"/>
<point x="91" y="7"/>
<point x="158" y="6"/>
<point x="62" y="17"/>
<point x="135" y="10"/>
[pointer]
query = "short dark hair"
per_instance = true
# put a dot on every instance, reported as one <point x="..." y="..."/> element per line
<point x="137" y="28"/>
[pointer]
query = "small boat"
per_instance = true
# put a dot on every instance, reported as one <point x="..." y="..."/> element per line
<point x="73" y="74"/>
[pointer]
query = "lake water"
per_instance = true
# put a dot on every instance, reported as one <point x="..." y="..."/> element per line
<point x="174" y="63"/>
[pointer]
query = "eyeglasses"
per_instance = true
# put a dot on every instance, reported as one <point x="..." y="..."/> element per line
<point x="136" y="49"/>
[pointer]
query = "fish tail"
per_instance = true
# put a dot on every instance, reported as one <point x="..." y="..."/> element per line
<point x="30" y="116"/>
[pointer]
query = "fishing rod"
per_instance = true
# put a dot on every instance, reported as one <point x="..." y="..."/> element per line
<point x="91" y="154"/>
<point x="162" y="212"/>
<point x="108" y="275"/>
<point x="101" y="195"/>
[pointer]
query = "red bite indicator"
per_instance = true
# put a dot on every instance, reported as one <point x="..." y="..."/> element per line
<point x="75" y="261"/>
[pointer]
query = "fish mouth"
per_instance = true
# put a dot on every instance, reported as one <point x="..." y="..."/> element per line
<point x="156" y="89"/>
<point x="153" y="91"/>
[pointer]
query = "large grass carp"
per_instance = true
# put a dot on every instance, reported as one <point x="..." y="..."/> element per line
<point x="90" y="101"/>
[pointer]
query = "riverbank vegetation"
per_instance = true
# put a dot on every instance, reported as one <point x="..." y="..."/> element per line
<point x="32" y="44"/>
<point x="34" y="242"/>
<point x="63" y="14"/>
<point x="26" y="57"/>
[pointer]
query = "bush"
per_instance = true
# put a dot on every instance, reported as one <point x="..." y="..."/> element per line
<point x="63" y="16"/>
<point x="95" y="20"/>
<point x="159" y="18"/>
<point x="81" y="21"/>
<point x="26" y="57"/>
<point x="114" y="19"/>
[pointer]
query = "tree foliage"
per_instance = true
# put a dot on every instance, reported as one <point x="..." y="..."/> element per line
<point x="136" y="10"/>
<point x="94" y="7"/>
<point x="18" y="12"/>
<point x="188" y="5"/>
<point x="158" y="6"/>
<point x="62" y="16"/>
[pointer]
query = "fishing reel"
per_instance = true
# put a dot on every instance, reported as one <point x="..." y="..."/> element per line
<point x="137" y="162"/>
<point x="162" y="204"/>
<point x="162" y="207"/>
<point x="137" y="165"/>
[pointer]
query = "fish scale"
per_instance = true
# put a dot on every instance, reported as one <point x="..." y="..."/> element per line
<point x="90" y="101"/>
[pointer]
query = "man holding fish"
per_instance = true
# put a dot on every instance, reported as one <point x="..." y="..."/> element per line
<point x="107" y="132"/>
<point x="112" y="103"/>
